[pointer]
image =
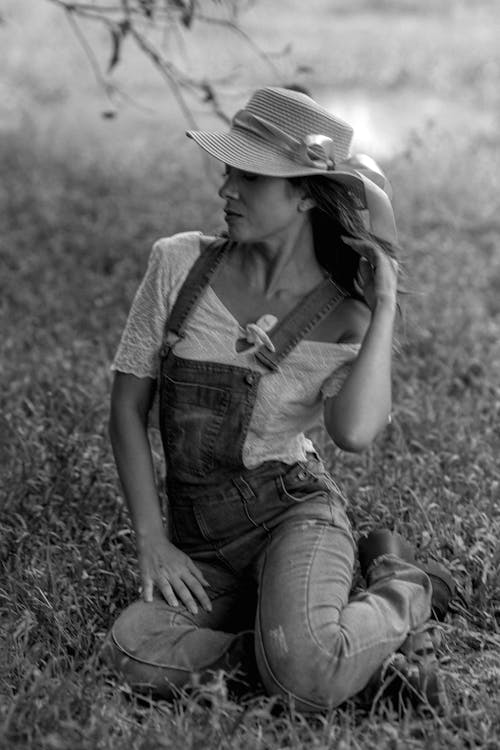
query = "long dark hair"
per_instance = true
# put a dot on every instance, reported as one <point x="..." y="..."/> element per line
<point x="335" y="214"/>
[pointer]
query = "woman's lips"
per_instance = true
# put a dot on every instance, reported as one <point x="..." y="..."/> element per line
<point x="231" y="216"/>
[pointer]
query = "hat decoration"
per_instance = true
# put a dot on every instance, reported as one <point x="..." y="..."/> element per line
<point x="312" y="150"/>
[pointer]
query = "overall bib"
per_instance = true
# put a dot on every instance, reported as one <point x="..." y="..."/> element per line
<point x="274" y="542"/>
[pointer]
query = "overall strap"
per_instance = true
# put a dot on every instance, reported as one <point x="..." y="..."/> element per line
<point x="195" y="283"/>
<point x="300" y="321"/>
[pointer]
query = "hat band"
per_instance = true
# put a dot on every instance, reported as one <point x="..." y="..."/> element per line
<point x="315" y="150"/>
<point x="312" y="150"/>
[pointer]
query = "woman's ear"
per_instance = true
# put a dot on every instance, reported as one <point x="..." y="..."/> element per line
<point x="305" y="204"/>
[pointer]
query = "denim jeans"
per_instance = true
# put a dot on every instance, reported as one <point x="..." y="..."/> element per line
<point x="277" y="550"/>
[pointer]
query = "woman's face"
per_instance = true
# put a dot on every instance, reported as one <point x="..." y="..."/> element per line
<point x="259" y="208"/>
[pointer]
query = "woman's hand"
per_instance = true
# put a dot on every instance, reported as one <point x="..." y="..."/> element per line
<point x="165" y="566"/>
<point x="377" y="277"/>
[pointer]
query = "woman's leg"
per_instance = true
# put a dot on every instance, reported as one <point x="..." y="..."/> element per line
<point x="157" y="648"/>
<point x="313" y="643"/>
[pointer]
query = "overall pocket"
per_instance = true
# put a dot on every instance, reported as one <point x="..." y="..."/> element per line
<point x="191" y="416"/>
<point x="306" y="480"/>
<point x="314" y="494"/>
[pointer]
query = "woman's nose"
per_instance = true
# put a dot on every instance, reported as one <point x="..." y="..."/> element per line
<point x="228" y="189"/>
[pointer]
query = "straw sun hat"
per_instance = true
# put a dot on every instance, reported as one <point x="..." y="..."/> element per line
<point x="284" y="133"/>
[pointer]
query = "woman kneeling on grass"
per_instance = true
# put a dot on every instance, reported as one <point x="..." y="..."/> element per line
<point x="251" y="340"/>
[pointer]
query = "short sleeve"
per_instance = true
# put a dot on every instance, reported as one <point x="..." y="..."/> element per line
<point x="334" y="382"/>
<point x="140" y="343"/>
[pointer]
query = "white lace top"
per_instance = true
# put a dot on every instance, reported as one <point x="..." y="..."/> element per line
<point x="289" y="401"/>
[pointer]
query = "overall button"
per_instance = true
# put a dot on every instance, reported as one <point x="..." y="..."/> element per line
<point x="249" y="379"/>
<point x="302" y="475"/>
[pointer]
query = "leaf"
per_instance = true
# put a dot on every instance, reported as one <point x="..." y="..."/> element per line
<point x="208" y="93"/>
<point x="147" y="7"/>
<point x="304" y="69"/>
<point x="188" y="15"/>
<point x="187" y="8"/>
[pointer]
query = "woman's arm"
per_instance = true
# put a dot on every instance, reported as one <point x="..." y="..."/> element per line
<point x="362" y="407"/>
<point x="161" y="563"/>
<point x="131" y="399"/>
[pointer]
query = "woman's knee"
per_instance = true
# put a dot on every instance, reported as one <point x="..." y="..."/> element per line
<point x="137" y="648"/>
<point x="142" y="622"/>
<point x="158" y="647"/>
<point x="303" y="670"/>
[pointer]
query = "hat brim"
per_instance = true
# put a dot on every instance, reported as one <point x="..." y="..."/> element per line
<point x="250" y="153"/>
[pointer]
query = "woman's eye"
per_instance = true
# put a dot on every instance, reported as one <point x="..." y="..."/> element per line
<point x="246" y="176"/>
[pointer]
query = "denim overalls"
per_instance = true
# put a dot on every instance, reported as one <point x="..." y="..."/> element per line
<point x="273" y="542"/>
<point x="205" y="411"/>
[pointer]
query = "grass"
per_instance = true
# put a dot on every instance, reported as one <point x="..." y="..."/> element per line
<point x="76" y="226"/>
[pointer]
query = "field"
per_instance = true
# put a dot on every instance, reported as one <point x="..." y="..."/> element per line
<point x="81" y="201"/>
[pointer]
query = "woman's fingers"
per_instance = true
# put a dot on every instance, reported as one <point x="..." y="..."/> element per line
<point x="365" y="270"/>
<point x="370" y="251"/>
<point x="185" y="596"/>
<point x="177" y="577"/>
<point x="168" y="592"/>
<point x="376" y="277"/>
<point x="363" y="247"/>
<point x="185" y="593"/>
<point x="198" y="590"/>
<point x="184" y="590"/>
<point x="147" y="590"/>
<point x="194" y="569"/>
<point x="358" y="287"/>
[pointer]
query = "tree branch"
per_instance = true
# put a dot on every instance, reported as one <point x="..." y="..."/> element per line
<point x="89" y="52"/>
<point x="140" y="19"/>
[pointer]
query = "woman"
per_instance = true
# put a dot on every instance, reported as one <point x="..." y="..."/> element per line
<point x="250" y="340"/>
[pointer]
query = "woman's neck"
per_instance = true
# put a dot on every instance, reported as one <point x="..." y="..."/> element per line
<point x="286" y="265"/>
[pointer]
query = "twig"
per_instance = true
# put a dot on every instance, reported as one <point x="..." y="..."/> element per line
<point x="90" y="55"/>
<point x="168" y="72"/>
<point x="238" y="30"/>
